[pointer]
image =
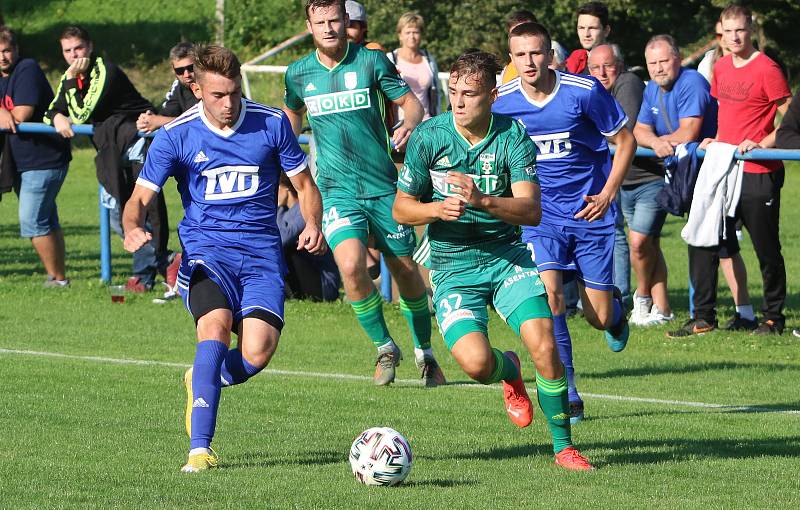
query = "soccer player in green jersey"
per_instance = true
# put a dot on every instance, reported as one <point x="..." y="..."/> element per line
<point x="470" y="176"/>
<point x="343" y="88"/>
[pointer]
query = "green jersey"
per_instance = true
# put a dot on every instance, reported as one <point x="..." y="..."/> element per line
<point x="346" y="108"/>
<point x="505" y="156"/>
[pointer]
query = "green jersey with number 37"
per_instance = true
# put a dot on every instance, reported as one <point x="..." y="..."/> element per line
<point x="346" y="108"/>
<point x="506" y="155"/>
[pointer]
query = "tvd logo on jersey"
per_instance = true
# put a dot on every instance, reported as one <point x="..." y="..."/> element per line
<point x="552" y="145"/>
<point x="231" y="182"/>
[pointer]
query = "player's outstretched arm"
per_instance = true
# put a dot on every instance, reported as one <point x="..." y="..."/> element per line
<point x="408" y="210"/>
<point x="412" y="116"/>
<point x="295" y="119"/>
<point x="133" y="218"/>
<point x="597" y="205"/>
<point x="311" y="238"/>
<point x="523" y="208"/>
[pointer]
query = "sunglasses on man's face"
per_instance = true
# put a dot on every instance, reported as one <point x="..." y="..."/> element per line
<point x="180" y="70"/>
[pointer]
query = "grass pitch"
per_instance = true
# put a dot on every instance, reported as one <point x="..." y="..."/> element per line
<point x="711" y="421"/>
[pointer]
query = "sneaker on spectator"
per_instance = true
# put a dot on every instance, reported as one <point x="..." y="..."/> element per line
<point x="136" y="285"/>
<point x="768" y="327"/>
<point x="656" y="317"/>
<point x="692" y="327"/>
<point x="52" y="283"/>
<point x="641" y="309"/>
<point x="738" y="323"/>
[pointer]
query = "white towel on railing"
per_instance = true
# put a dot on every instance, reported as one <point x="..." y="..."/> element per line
<point x="716" y="195"/>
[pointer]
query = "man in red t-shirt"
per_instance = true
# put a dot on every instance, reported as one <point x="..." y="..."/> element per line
<point x="593" y="29"/>
<point x="751" y="88"/>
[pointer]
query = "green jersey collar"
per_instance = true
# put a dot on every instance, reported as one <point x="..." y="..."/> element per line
<point x="464" y="139"/>
<point x="330" y="69"/>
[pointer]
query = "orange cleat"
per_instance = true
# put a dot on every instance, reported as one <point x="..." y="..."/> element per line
<point x="570" y="458"/>
<point x="518" y="403"/>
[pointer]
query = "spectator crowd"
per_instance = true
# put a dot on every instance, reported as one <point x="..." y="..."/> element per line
<point x="728" y="105"/>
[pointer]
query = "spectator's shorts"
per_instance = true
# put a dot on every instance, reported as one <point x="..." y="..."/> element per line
<point x="348" y="218"/>
<point x="252" y="285"/>
<point x="510" y="283"/>
<point x="641" y="211"/>
<point x="587" y="251"/>
<point x="37" y="191"/>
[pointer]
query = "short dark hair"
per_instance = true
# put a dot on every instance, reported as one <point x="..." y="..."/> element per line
<point x="217" y="60"/>
<point x="484" y="66"/>
<point x="321" y="4"/>
<point x="736" y="10"/>
<point x="76" y="31"/>
<point x="8" y="36"/>
<point x="182" y="50"/>
<point x="518" y="17"/>
<point x="596" y="9"/>
<point x="665" y="38"/>
<point x="531" y="29"/>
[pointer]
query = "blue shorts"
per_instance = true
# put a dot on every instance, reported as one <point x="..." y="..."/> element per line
<point x="640" y="208"/>
<point x="37" y="191"/>
<point x="249" y="282"/>
<point x="589" y="252"/>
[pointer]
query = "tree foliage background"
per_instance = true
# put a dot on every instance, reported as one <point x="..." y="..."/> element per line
<point x="453" y="26"/>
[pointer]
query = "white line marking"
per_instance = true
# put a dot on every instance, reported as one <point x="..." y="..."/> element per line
<point x="409" y="382"/>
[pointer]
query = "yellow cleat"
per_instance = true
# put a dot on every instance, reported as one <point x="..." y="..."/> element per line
<point x="187" y="382"/>
<point x="201" y="462"/>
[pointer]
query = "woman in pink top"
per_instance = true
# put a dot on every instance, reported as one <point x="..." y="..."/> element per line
<point x="416" y="66"/>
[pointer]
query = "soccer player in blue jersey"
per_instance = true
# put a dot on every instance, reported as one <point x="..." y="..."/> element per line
<point x="226" y="153"/>
<point x="569" y="118"/>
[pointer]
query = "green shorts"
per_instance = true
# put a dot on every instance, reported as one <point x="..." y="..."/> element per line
<point x="348" y="218"/>
<point x="511" y="283"/>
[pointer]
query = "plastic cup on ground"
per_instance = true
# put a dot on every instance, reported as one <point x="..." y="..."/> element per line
<point x="117" y="293"/>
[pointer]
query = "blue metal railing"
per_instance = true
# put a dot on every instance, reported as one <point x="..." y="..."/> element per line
<point x="386" y="281"/>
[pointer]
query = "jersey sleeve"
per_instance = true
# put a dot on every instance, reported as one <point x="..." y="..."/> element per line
<point x="388" y="79"/>
<point x="414" y="178"/>
<point x="604" y="111"/>
<point x="522" y="156"/>
<point x="292" y="158"/>
<point x="291" y="94"/>
<point x="160" y="163"/>
<point x="693" y="98"/>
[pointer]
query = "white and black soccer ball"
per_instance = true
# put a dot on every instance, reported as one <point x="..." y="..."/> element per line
<point x="380" y="456"/>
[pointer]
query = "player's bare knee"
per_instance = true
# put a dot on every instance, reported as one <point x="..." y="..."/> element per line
<point x="212" y="326"/>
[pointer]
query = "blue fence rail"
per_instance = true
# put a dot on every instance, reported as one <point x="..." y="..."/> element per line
<point x="386" y="285"/>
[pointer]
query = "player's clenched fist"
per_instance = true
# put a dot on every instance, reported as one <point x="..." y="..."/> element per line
<point x="136" y="238"/>
<point x="451" y="208"/>
<point x="312" y="240"/>
<point x="465" y="187"/>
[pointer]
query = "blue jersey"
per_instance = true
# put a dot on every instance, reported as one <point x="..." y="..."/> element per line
<point x="569" y="129"/>
<point x="228" y="180"/>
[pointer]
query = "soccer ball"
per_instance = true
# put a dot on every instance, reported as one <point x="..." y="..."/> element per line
<point x="380" y="456"/>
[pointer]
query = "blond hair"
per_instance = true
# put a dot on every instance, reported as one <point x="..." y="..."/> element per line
<point x="410" y="19"/>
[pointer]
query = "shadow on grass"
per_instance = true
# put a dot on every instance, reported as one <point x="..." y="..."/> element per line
<point x="264" y="459"/>
<point x="437" y="483"/>
<point x="511" y="452"/>
<point x="685" y="369"/>
<point x="685" y="449"/>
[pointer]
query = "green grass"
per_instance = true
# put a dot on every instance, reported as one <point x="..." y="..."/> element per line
<point x="80" y="433"/>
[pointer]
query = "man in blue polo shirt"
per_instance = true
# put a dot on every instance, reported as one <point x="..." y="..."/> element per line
<point x="41" y="161"/>
<point x="678" y="108"/>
